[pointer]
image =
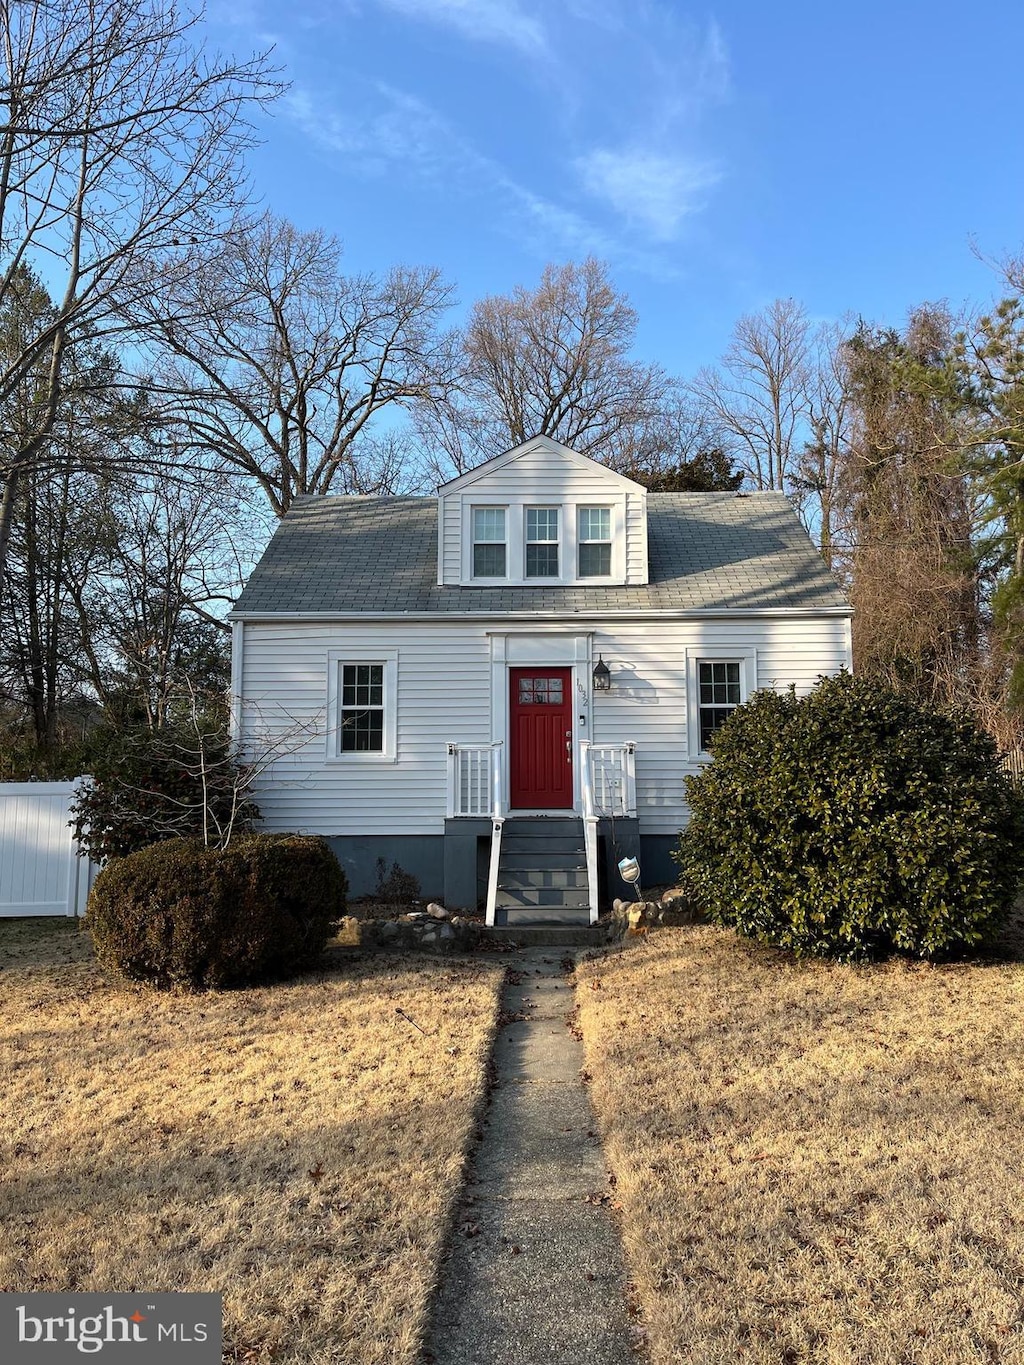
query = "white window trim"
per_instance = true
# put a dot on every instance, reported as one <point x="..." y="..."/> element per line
<point x="468" y="568"/>
<point x="335" y="659"/>
<point x="616" y="539"/>
<point x="568" y="549"/>
<point x="559" y="541"/>
<point x="746" y="658"/>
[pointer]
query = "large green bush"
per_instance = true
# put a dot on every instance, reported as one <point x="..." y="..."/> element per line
<point x="852" y="821"/>
<point x="180" y="914"/>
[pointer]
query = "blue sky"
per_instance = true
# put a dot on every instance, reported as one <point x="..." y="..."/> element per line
<point x="845" y="155"/>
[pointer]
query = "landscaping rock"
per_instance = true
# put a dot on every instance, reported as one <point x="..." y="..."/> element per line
<point x="437" y="911"/>
<point x="673" y="907"/>
<point x="407" y="933"/>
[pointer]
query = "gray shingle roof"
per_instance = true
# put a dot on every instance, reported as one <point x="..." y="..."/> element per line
<point x="707" y="551"/>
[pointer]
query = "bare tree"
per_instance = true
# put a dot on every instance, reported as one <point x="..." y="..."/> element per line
<point x="120" y="143"/>
<point x="187" y="781"/>
<point x="679" y="450"/>
<point x="147" y="607"/>
<point x="551" y="361"/>
<point x="758" y="398"/>
<point x="55" y="533"/>
<point x="275" y="362"/>
<point x="817" y="470"/>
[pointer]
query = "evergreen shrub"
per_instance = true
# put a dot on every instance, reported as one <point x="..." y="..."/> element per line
<point x="179" y="914"/>
<point x="148" y="786"/>
<point x="853" y="822"/>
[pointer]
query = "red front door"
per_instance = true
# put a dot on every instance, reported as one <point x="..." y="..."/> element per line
<point x="541" y="738"/>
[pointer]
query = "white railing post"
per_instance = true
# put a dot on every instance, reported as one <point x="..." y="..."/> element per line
<point x="451" y="807"/>
<point x="497" y="822"/>
<point x="613" y="778"/>
<point x="496" y="783"/>
<point x="629" y="795"/>
<point x="589" y="825"/>
<point x="473" y="780"/>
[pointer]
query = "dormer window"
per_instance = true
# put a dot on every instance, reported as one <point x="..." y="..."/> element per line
<point x="490" y="542"/>
<point x="594" y="542"/>
<point x="541" y="542"/>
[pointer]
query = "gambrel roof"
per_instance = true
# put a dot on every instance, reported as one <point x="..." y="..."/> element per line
<point x="339" y="556"/>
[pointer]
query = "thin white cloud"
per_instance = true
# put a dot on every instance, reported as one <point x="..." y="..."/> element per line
<point x="405" y="131"/>
<point x="713" y="73"/>
<point x="653" y="190"/>
<point x="487" y="21"/>
<point x="401" y="129"/>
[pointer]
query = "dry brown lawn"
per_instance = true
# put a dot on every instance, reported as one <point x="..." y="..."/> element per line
<point x="297" y="1147"/>
<point x="815" y="1163"/>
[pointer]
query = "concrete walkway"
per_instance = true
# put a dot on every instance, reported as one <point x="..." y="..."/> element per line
<point x="534" y="1273"/>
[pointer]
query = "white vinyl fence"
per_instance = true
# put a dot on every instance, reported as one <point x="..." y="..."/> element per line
<point x="40" y="870"/>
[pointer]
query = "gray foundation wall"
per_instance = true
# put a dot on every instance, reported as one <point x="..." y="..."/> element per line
<point x="657" y="867"/>
<point x="452" y="868"/>
<point x="420" y="854"/>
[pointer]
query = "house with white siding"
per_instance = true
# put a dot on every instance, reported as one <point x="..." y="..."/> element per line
<point x="502" y="688"/>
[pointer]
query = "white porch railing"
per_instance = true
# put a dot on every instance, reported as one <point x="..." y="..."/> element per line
<point x="613" y="777"/>
<point x="607" y="788"/>
<point x="475" y="789"/>
<point x="474" y="780"/>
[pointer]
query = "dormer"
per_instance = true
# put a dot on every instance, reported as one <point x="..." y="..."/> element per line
<point x="542" y="515"/>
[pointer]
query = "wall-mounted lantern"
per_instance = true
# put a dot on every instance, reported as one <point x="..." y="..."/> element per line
<point x="602" y="676"/>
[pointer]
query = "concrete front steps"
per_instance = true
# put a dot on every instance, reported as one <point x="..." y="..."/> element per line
<point x="542" y="873"/>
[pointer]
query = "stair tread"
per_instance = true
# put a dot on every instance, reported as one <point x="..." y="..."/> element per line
<point x="524" y="935"/>
<point x="551" y="867"/>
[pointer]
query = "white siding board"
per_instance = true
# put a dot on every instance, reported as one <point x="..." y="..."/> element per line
<point x="445" y="694"/>
<point x="636" y="538"/>
<point x="648" y="701"/>
<point x="539" y="477"/>
<point x="450" y="514"/>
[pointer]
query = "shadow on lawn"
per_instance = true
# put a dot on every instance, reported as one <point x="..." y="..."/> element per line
<point x="43" y="941"/>
<point x="208" y="1211"/>
<point x="1005" y="945"/>
<point x="57" y="941"/>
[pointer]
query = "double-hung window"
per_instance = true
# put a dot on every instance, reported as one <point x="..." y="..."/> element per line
<point x="362" y="709"/>
<point x="594" y="542"/>
<point x="720" y="691"/>
<point x="490" y="543"/>
<point x="362" y="701"/>
<point x="541" y="542"/>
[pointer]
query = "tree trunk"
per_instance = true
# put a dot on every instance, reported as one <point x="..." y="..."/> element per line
<point x="6" y="520"/>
